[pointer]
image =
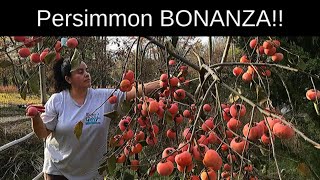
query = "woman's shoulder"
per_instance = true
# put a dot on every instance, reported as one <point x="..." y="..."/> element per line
<point x="57" y="96"/>
<point x="101" y="90"/>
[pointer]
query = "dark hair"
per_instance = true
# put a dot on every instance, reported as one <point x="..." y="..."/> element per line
<point x="61" y="69"/>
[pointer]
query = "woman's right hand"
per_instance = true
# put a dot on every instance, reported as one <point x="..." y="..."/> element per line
<point x="33" y="110"/>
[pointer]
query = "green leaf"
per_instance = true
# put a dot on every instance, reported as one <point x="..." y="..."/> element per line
<point x="33" y="83"/>
<point x="5" y="63"/>
<point x="78" y="129"/>
<point x="19" y="78"/>
<point x="118" y="174"/>
<point x="75" y="60"/>
<point x="112" y="114"/>
<point x="128" y="176"/>
<point x="143" y="143"/>
<point x="51" y="56"/>
<point x="125" y="107"/>
<point x="112" y="164"/>
<point x="302" y="65"/>
<point x="23" y="90"/>
<point x="316" y="107"/>
<point x="143" y="170"/>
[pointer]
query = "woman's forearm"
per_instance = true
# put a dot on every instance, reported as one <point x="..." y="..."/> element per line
<point x="38" y="127"/>
<point x="148" y="87"/>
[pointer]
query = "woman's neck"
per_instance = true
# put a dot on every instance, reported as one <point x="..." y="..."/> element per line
<point x="79" y="95"/>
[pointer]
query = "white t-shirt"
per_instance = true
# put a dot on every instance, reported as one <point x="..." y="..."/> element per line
<point x="64" y="154"/>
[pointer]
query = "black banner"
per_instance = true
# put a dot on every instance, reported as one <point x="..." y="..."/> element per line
<point x="143" y="21"/>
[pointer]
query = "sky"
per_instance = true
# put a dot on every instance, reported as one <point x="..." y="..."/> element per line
<point x="204" y="40"/>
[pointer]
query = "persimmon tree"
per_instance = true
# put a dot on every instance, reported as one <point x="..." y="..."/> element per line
<point x="205" y="134"/>
<point x="216" y="129"/>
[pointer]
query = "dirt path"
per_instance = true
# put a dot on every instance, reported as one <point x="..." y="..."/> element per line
<point x="13" y="119"/>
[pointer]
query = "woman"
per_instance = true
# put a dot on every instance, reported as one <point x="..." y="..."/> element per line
<point x="66" y="156"/>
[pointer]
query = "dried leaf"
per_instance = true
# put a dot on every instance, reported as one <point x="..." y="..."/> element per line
<point x="303" y="169"/>
<point x="239" y="90"/>
<point x="180" y="74"/>
<point x="262" y="101"/>
<point x="316" y="107"/>
<point x="51" y="56"/>
<point x="75" y="60"/>
<point x="258" y="89"/>
<point x="233" y="98"/>
<point x="78" y="129"/>
<point x="112" y="114"/>
<point x="4" y="63"/>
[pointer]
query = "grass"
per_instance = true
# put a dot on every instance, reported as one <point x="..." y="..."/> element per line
<point x="8" y="111"/>
<point x="23" y="160"/>
<point x="15" y="99"/>
<point x="9" y="95"/>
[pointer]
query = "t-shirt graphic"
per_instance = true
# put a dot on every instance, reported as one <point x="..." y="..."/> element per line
<point x="92" y="118"/>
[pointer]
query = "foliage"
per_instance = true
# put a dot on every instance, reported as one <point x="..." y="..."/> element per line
<point x="8" y="89"/>
<point x="15" y="99"/>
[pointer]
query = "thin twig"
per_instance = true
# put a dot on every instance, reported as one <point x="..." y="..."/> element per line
<point x="272" y="145"/>
<point x="174" y="54"/>
<point x="264" y="64"/>
<point x="246" y="138"/>
<point x="225" y="52"/>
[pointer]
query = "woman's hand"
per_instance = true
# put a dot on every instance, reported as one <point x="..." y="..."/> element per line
<point x="33" y="110"/>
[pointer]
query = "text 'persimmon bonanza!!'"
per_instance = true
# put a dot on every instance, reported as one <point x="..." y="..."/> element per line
<point x="168" y="18"/>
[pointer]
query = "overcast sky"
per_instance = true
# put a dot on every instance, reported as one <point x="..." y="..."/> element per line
<point x="204" y="40"/>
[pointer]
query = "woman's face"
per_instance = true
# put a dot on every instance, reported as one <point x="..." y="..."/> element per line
<point x="80" y="78"/>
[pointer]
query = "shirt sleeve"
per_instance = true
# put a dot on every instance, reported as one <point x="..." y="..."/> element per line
<point x="50" y="116"/>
